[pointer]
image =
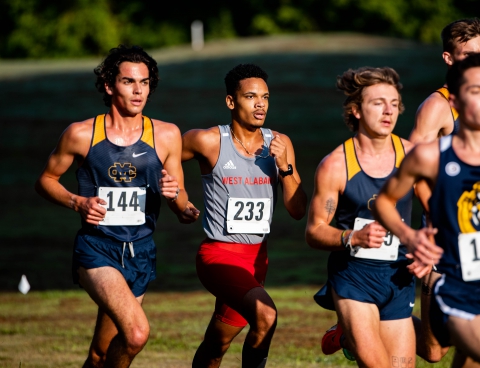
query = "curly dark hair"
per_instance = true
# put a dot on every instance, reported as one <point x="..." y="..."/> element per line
<point x="455" y="74"/>
<point x="240" y="72"/>
<point x="460" y="31"/>
<point x="108" y="69"/>
<point x="353" y="82"/>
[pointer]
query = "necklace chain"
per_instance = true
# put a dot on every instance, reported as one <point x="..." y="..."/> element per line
<point x="245" y="148"/>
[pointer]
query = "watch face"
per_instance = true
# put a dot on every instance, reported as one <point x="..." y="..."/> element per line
<point x="288" y="172"/>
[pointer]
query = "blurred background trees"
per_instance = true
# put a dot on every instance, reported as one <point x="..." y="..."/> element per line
<point x="78" y="28"/>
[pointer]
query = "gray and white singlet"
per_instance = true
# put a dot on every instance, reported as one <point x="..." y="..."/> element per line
<point x="240" y="193"/>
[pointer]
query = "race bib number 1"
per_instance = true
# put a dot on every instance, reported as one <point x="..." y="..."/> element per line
<point x="469" y="250"/>
<point x="125" y="206"/>
<point x="387" y="252"/>
<point x="248" y="215"/>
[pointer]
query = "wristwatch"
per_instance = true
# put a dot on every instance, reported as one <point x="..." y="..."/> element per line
<point x="289" y="171"/>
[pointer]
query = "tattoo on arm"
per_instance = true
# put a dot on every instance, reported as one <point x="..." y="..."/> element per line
<point x="330" y="207"/>
<point x="402" y="362"/>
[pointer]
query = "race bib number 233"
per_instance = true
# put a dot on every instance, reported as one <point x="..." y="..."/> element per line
<point x="248" y="215"/>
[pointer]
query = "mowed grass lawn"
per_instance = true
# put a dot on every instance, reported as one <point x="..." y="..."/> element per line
<point x="53" y="329"/>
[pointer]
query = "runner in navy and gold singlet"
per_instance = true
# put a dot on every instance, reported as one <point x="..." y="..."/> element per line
<point x="451" y="167"/>
<point x="241" y="165"/>
<point x="436" y="118"/>
<point x="369" y="285"/>
<point x="126" y="162"/>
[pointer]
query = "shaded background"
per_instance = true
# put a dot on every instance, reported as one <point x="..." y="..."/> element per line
<point x="39" y="98"/>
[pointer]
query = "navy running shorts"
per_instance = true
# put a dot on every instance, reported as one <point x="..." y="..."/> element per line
<point x="392" y="290"/>
<point x="451" y="298"/>
<point x="138" y="268"/>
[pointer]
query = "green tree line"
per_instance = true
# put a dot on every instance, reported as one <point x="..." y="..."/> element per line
<point x="77" y="28"/>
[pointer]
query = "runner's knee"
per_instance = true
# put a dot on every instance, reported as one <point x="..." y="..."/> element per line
<point x="136" y="338"/>
<point x="434" y="355"/>
<point x="267" y="318"/>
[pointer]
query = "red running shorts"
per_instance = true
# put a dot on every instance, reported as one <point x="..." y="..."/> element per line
<point x="229" y="271"/>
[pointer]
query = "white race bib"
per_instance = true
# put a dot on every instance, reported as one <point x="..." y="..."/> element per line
<point x="248" y="215"/>
<point x="125" y="206"/>
<point x="387" y="252"/>
<point x="469" y="250"/>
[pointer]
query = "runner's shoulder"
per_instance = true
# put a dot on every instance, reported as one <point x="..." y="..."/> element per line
<point x="80" y="131"/>
<point x="333" y="165"/>
<point x="434" y="105"/>
<point x="165" y="129"/>
<point x="209" y="136"/>
<point x="407" y="144"/>
<point x="426" y="154"/>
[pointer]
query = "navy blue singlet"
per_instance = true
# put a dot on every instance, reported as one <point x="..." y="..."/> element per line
<point x="109" y="165"/>
<point x="454" y="209"/>
<point x="359" y="194"/>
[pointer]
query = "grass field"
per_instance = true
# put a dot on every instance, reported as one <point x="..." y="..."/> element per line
<point x="53" y="329"/>
<point x="39" y="99"/>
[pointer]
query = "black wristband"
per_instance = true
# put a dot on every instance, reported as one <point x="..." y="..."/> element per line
<point x="289" y="171"/>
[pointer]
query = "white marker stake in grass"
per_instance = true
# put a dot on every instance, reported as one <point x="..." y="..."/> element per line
<point x="24" y="285"/>
<point x="197" y="35"/>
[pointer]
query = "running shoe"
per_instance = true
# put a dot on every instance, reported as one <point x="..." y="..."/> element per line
<point x="349" y="355"/>
<point x="331" y="340"/>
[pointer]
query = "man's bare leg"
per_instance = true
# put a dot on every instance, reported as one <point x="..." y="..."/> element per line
<point x="120" y="312"/>
<point x="374" y="343"/>
<point x="260" y="312"/>
<point x="105" y="331"/>
<point x="215" y="344"/>
<point x="428" y="347"/>
<point x="465" y="335"/>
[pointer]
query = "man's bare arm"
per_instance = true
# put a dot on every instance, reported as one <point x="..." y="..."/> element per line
<point x="172" y="184"/>
<point x="294" y="197"/>
<point x="420" y="164"/>
<point x="330" y="179"/>
<point x="73" y="144"/>
<point x="433" y="119"/>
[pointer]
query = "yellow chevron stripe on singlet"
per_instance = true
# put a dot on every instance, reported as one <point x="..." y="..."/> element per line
<point x="147" y="135"/>
<point x="99" y="130"/>
<point x="100" y="135"/>
<point x="353" y="166"/>
<point x="446" y="93"/>
<point x="399" y="150"/>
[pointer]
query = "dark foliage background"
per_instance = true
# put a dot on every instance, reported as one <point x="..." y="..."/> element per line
<point x="78" y="28"/>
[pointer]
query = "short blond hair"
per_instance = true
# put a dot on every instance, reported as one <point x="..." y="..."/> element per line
<point x="353" y="82"/>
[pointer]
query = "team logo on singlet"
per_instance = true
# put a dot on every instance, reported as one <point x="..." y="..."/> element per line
<point x="469" y="210"/>
<point x="229" y="165"/>
<point x="371" y="200"/>
<point x="452" y="168"/>
<point x="122" y="172"/>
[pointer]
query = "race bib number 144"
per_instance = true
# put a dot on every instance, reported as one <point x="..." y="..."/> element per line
<point x="125" y="206"/>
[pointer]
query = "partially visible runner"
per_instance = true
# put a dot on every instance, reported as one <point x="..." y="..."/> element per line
<point x="126" y="162"/>
<point x="369" y="285"/>
<point x="451" y="168"/>
<point x="435" y="118"/>
<point x="241" y="165"/>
